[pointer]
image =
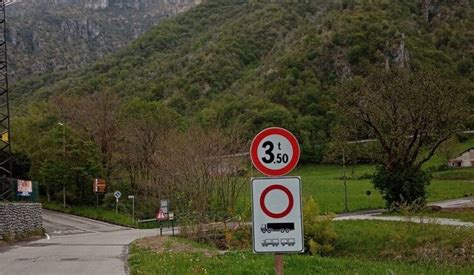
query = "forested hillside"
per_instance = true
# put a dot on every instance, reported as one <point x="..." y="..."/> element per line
<point x="257" y="65"/>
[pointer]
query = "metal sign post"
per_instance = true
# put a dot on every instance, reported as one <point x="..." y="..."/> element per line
<point x="277" y="224"/>
<point x="99" y="187"/>
<point x="117" y="195"/>
<point x="278" y="264"/>
<point x="133" y="207"/>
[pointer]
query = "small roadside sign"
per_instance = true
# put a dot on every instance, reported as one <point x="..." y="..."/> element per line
<point x="117" y="194"/>
<point x="164" y="206"/>
<point x="24" y="188"/>
<point x="131" y="196"/>
<point x="4" y="137"/>
<point x="275" y="151"/>
<point x="277" y="215"/>
<point x="161" y="216"/>
<point x="99" y="185"/>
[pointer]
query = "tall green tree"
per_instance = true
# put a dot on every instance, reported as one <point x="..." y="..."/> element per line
<point x="410" y="113"/>
<point x="59" y="156"/>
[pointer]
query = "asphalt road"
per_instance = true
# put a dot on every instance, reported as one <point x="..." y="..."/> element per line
<point x="76" y="246"/>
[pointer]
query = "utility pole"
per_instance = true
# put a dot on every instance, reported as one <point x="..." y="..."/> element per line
<point x="64" y="156"/>
<point x="7" y="185"/>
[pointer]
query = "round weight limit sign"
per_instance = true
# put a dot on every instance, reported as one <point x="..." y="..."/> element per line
<point x="275" y="151"/>
<point x="271" y="212"/>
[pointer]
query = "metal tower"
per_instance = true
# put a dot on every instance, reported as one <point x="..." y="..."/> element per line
<point x="5" y="148"/>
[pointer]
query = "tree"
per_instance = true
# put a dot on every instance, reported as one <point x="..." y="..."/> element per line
<point x="410" y="113"/>
<point x="200" y="171"/>
<point x="58" y="155"/>
<point x="96" y="116"/>
<point x="143" y="126"/>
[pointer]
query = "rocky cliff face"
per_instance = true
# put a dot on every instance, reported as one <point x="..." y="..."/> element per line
<point x="49" y="35"/>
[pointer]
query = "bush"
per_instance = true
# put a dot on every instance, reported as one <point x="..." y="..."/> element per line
<point x="218" y="234"/>
<point x="366" y="176"/>
<point x="8" y="236"/>
<point x="22" y="236"/>
<point x="319" y="234"/>
<point x="402" y="185"/>
<point x="239" y="238"/>
<point x="109" y="201"/>
<point x="455" y="174"/>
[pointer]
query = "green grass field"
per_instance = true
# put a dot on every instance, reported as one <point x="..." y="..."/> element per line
<point x="144" y="261"/>
<point x="325" y="184"/>
<point x="408" y="242"/>
<point x="362" y="247"/>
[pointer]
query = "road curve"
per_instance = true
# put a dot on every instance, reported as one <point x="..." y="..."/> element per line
<point x="77" y="246"/>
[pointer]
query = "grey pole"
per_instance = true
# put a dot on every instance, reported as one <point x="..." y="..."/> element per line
<point x="133" y="209"/>
<point x="132" y="197"/>
<point x="346" y="208"/>
<point x="64" y="155"/>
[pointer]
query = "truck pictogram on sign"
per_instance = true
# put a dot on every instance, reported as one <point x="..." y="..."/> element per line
<point x="282" y="227"/>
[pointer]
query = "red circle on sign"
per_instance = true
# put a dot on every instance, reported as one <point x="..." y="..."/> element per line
<point x="274" y="131"/>
<point x="270" y="213"/>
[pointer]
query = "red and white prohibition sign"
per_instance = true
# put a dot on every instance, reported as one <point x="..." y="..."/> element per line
<point x="277" y="224"/>
<point x="283" y="213"/>
<point x="275" y="151"/>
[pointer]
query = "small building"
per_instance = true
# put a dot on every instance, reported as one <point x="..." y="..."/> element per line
<point x="465" y="159"/>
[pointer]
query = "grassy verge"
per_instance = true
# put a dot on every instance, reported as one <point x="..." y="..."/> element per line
<point x="363" y="247"/>
<point x="100" y="214"/>
<point x="408" y="242"/>
<point x="465" y="215"/>
<point x="31" y="235"/>
<point x="144" y="261"/>
<point x="455" y="174"/>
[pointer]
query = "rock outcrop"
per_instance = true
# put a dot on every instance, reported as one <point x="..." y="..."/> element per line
<point x="48" y="35"/>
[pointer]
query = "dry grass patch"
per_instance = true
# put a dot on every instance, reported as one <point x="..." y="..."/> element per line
<point x="167" y="244"/>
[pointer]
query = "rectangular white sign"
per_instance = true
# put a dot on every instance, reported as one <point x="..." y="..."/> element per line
<point x="277" y="215"/>
<point x="24" y="186"/>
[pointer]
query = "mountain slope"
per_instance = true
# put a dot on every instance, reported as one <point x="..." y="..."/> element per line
<point x="274" y="64"/>
<point x="49" y="35"/>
